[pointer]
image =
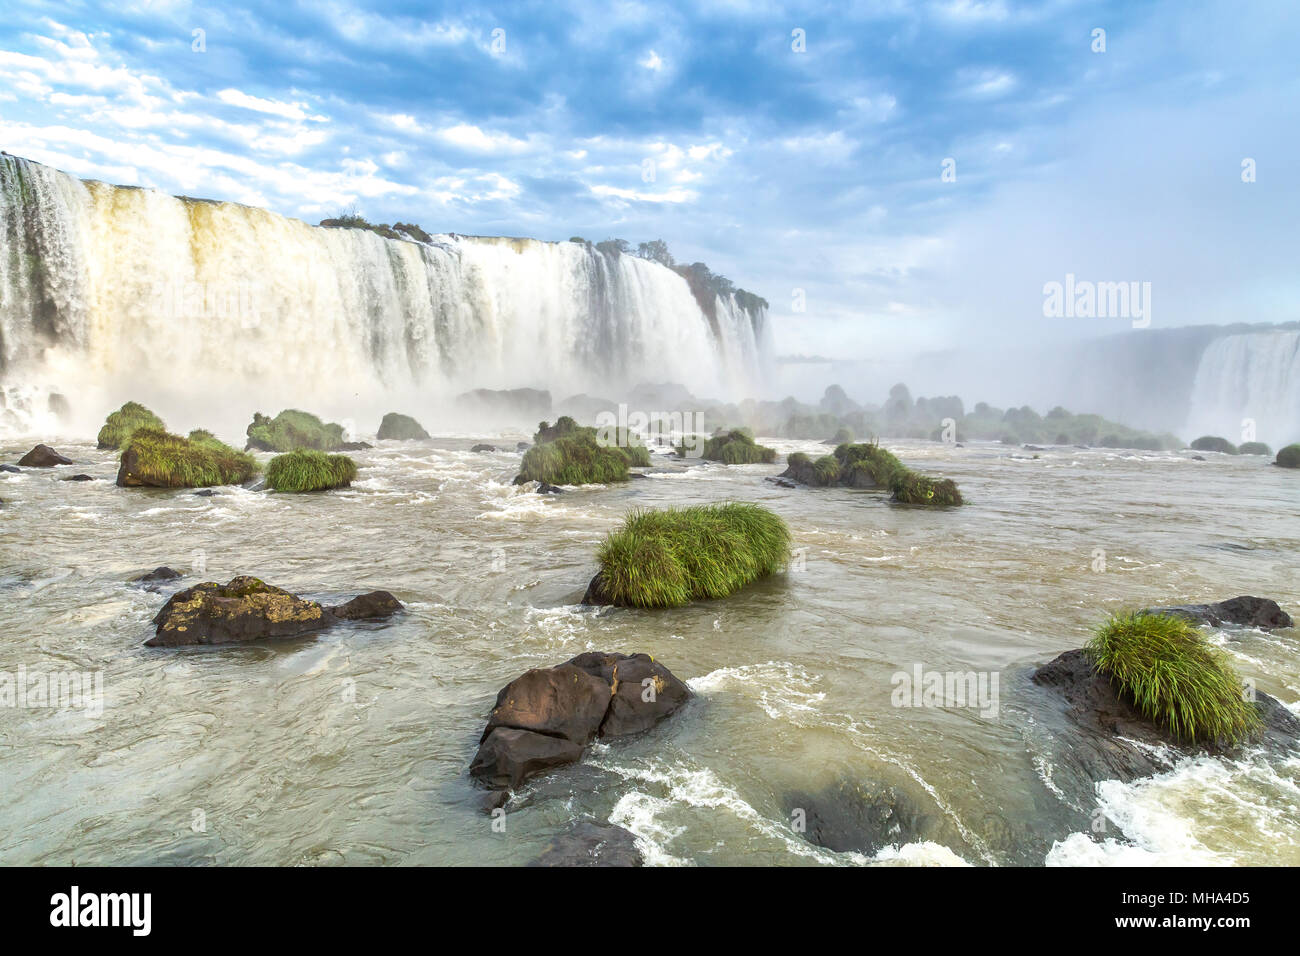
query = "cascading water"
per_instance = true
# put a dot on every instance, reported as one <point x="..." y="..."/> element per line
<point x="109" y="293"/>
<point x="1245" y="379"/>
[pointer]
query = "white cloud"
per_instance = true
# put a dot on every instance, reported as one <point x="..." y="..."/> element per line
<point x="290" y="111"/>
<point x="467" y="136"/>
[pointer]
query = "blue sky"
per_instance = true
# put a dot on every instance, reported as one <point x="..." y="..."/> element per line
<point x="817" y="170"/>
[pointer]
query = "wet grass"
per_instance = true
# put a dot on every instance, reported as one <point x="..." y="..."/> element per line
<point x="157" y="459"/>
<point x="576" y="459"/>
<point x="1289" y="457"/>
<point x="126" y="421"/>
<point x="293" y="429"/>
<point x="310" y="470"/>
<point x="736" y="447"/>
<point x="1174" y="677"/>
<point x="670" y="557"/>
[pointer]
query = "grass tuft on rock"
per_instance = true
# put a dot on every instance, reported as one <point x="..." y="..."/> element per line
<point x="126" y="421"/>
<point x="577" y="459"/>
<point x="1254" y="448"/>
<point x="736" y="447"/>
<point x="1289" y="457"/>
<point x="310" y="470"/>
<point x="158" y="459"/>
<point x="1174" y="678"/>
<point x="567" y="453"/>
<point x="670" y="557"/>
<point x="870" y="466"/>
<point x="912" y="488"/>
<point x="293" y="429"/>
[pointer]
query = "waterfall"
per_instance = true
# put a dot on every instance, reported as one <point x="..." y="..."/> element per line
<point x="1248" y="378"/>
<point x="110" y="293"/>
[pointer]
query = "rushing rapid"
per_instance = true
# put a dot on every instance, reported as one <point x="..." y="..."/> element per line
<point x="111" y="292"/>
<point x="354" y="747"/>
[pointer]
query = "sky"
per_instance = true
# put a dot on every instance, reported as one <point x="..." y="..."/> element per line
<point x="896" y="178"/>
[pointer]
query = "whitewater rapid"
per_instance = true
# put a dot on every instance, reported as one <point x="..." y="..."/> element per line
<point x="110" y="292"/>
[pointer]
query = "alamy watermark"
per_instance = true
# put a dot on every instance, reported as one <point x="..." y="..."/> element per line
<point x="56" y="690"/>
<point x="1084" y="299"/>
<point x="684" y="430"/>
<point x="921" y="688"/>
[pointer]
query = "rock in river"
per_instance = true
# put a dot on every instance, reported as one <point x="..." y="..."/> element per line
<point x="546" y="717"/>
<point x="592" y="844"/>
<point x="248" y="609"/>
<point x="43" y="456"/>
<point x="1244" y="611"/>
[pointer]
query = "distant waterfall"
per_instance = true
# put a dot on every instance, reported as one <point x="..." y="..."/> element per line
<point x="110" y="292"/>
<point x="1253" y="377"/>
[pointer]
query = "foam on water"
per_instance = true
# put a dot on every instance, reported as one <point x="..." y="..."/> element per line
<point x="1196" y="815"/>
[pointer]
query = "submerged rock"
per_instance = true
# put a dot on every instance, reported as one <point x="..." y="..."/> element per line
<point x="13" y="469"/>
<point x="1244" y="611"/>
<point x="354" y="446"/>
<point x="592" y="844"/>
<point x="1107" y="738"/>
<point x="368" y="607"/>
<point x="161" y="573"/>
<point x="546" y="717"/>
<point x="484" y="447"/>
<point x="863" y="817"/>
<point x="79" y="478"/>
<point x="43" y="456"/>
<point x="206" y="493"/>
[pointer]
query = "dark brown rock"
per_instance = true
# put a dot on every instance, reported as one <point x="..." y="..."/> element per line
<point x="508" y="756"/>
<point x="592" y="844"/>
<point x="484" y="448"/>
<point x="162" y="573"/>
<point x="1244" y="611"/>
<point x="644" y="691"/>
<point x="607" y="694"/>
<point x="245" y="609"/>
<point x="563" y="701"/>
<point x="368" y="607"/>
<point x="596" y="593"/>
<point x="43" y="456"/>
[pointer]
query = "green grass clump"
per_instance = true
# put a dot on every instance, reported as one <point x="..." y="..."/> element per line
<point x="864" y="464"/>
<point x="912" y="488"/>
<point x="1254" y="448"/>
<point x="401" y="428"/>
<point x="310" y="470"/>
<point x="1289" y="457"/>
<point x="1214" y="443"/>
<point x="826" y="469"/>
<point x="671" y="557"/>
<point x="155" y="458"/>
<point x="567" y="453"/>
<point x="576" y="459"/>
<point x="291" y="430"/>
<point x="736" y="447"/>
<point x="1174" y="677"/>
<point x="123" y="423"/>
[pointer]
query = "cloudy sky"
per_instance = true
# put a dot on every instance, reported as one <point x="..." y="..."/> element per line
<point x="799" y="149"/>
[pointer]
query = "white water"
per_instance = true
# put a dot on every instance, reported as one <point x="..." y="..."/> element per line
<point x="109" y="293"/>
<point x="1253" y="377"/>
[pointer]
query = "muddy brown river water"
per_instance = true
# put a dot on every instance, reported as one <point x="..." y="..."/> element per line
<point x="352" y="747"/>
